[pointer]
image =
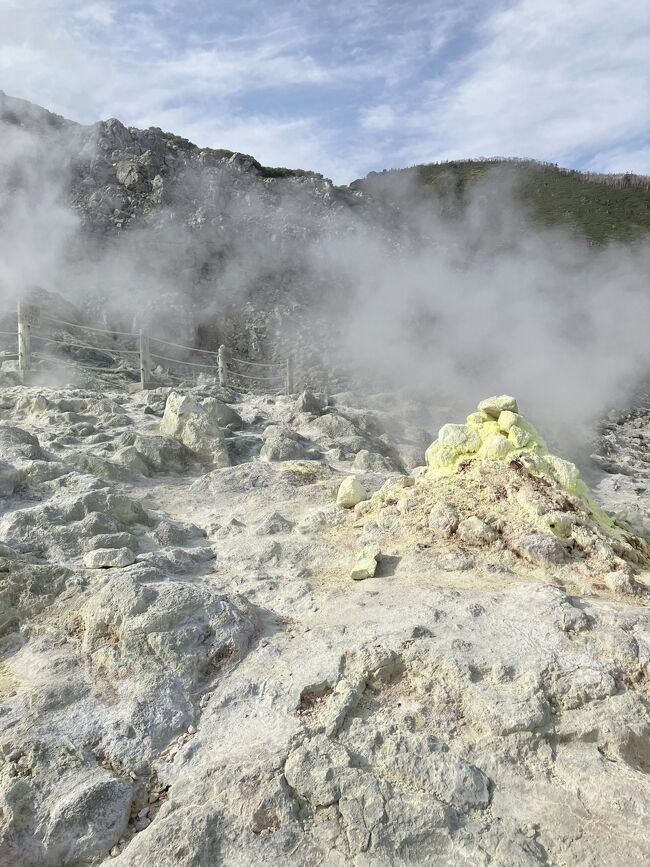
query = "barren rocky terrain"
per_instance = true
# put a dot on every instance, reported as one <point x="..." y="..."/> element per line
<point x="250" y="629"/>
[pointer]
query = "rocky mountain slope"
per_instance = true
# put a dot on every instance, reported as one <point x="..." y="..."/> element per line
<point x="226" y="246"/>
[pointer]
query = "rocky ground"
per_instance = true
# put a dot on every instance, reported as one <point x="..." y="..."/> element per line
<point x="191" y="676"/>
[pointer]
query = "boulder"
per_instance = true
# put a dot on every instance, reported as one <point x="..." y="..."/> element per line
<point x="189" y="423"/>
<point x="310" y="403"/>
<point x="222" y="414"/>
<point x="351" y="492"/>
<point x="162" y="454"/>
<point x="372" y="462"/>
<point x="282" y="444"/>
<point x="16" y="443"/>
<point x="131" y="458"/>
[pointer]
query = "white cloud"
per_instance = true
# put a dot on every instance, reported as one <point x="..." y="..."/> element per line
<point x="552" y="80"/>
<point x="96" y="13"/>
<point x="346" y="88"/>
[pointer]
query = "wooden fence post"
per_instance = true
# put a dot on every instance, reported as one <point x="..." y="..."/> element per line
<point x="28" y="315"/>
<point x="145" y="360"/>
<point x="223" y="365"/>
<point x="290" y="374"/>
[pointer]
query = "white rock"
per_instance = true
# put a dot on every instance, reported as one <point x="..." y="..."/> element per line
<point x="460" y="437"/>
<point x="187" y="421"/>
<point x="109" y="558"/>
<point x="494" y="406"/>
<point x="365" y="565"/>
<point x="351" y="492"/>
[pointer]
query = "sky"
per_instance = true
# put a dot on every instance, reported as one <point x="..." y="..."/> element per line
<point x="345" y="88"/>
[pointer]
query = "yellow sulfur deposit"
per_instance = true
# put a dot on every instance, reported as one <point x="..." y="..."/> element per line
<point x="498" y="432"/>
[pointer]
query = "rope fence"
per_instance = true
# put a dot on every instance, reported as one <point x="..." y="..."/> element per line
<point x="278" y="373"/>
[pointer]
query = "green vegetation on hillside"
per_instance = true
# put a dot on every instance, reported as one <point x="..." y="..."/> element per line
<point x="602" y="207"/>
<point x="223" y="153"/>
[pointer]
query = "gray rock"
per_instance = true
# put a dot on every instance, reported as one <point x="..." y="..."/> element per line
<point x="222" y="414"/>
<point x="113" y="540"/>
<point x="88" y="820"/>
<point x="443" y="519"/>
<point x="8" y="479"/>
<point x="16" y="444"/>
<point x="308" y="402"/>
<point x="455" y="562"/>
<point x="274" y="523"/>
<point x="542" y="549"/>
<point x="372" y="462"/>
<point x="161" y="454"/>
<point x="282" y="444"/>
<point x="474" y="531"/>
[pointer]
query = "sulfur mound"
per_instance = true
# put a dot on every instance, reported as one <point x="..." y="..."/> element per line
<point x="492" y="487"/>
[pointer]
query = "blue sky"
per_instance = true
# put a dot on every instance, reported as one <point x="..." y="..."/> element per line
<point x="348" y="87"/>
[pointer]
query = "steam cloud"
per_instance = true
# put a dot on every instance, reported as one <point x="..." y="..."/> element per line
<point x="456" y="307"/>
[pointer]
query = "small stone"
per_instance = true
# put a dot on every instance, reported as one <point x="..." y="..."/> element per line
<point x="366" y="564"/>
<point x="273" y="524"/>
<point x="191" y="730"/>
<point x="351" y="492"/>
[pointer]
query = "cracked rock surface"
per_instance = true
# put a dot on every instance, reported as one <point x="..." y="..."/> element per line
<point x="190" y="676"/>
